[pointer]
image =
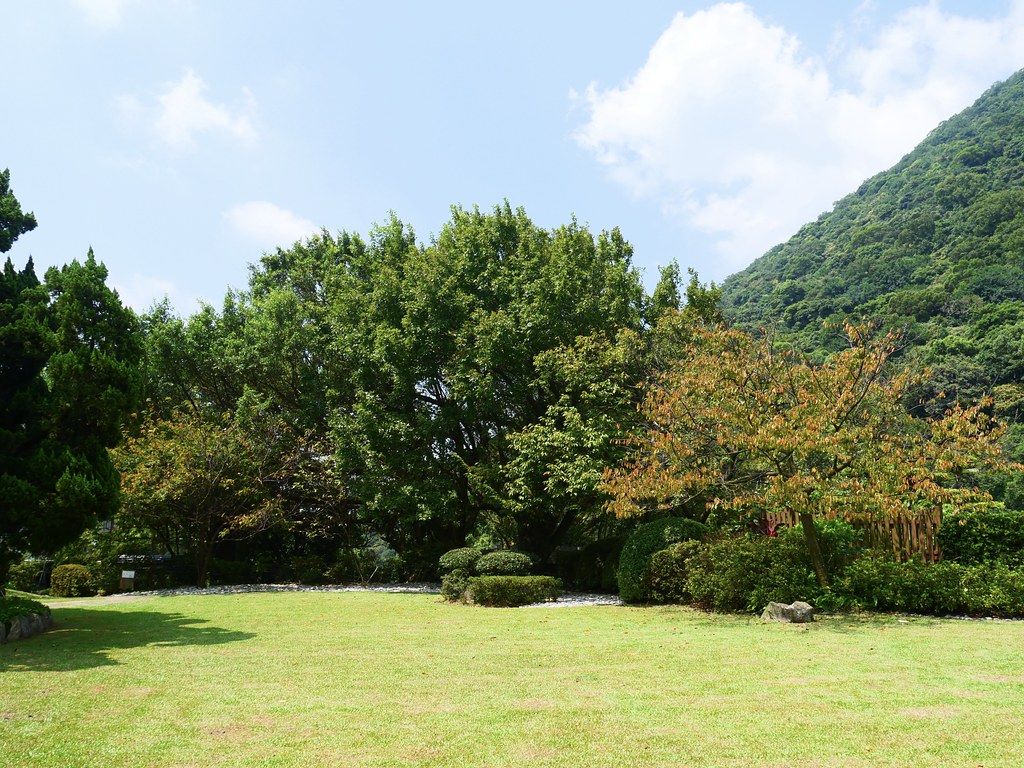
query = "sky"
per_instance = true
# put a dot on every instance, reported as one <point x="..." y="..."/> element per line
<point x="182" y="139"/>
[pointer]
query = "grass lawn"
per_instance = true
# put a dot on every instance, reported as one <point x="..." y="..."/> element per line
<point x="360" y="679"/>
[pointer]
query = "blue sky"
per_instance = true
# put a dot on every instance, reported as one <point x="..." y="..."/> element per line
<point x="183" y="138"/>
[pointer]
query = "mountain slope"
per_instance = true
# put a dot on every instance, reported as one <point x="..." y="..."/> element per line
<point x="935" y="245"/>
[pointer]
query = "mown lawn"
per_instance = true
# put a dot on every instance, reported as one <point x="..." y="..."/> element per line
<point x="358" y="679"/>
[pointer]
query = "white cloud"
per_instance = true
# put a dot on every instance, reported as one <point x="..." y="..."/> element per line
<point x="102" y="13"/>
<point x="268" y="225"/>
<point x="735" y="127"/>
<point x="141" y="291"/>
<point x="185" y="112"/>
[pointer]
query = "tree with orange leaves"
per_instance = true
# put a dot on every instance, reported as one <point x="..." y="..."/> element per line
<point x="747" y="424"/>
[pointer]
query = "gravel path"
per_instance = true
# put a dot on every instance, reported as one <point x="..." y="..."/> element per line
<point x="567" y="600"/>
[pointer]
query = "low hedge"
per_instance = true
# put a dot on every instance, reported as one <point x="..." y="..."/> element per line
<point x="71" y="580"/>
<point x="24" y="576"/>
<point x="972" y="537"/>
<point x="511" y="591"/>
<point x="884" y="584"/>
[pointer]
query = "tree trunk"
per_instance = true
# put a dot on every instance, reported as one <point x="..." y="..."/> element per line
<point x="814" y="548"/>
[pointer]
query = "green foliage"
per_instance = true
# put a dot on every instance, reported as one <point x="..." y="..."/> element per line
<point x="884" y="584"/>
<point x="974" y="537"/>
<point x="71" y="580"/>
<point x="504" y="563"/>
<point x="13" y="222"/>
<point x="13" y="607"/>
<point x="454" y="585"/>
<point x="746" y="573"/>
<point x="463" y="559"/>
<point x="634" y="561"/>
<point x="71" y="375"/>
<point x="24" y="576"/>
<point x="512" y="591"/>
<point x="667" y="573"/>
<point x="934" y="245"/>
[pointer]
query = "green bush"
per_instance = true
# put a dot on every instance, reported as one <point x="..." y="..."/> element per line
<point x="504" y="563"/>
<point x="454" y="585"/>
<point x="667" y="573"/>
<point x="633" y="574"/>
<point x="71" y="580"/>
<point x="25" y="576"/>
<point x="983" y="536"/>
<point x="461" y="559"/>
<point x="12" y="607"/>
<point x="511" y="591"/>
<point x="745" y="574"/>
<point x="839" y="541"/>
<point x="885" y="584"/>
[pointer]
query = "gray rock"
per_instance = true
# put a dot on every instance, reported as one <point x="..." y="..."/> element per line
<point x="797" y="613"/>
<point x="35" y="623"/>
<point x="48" y="622"/>
<point x="18" y="629"/>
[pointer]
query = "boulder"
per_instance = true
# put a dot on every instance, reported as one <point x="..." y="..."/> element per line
<point x="18" y="629"/>
<point x="35" y="623"/>
<point x="796" y="613"/>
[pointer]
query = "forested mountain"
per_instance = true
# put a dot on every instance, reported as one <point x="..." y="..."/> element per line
<point x="934" y="245"/>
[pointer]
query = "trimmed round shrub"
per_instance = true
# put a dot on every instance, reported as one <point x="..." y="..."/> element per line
<point x="667" y="572"/>
<point x="504" y="563"/>
<point x="633" y="575"/>
<point x="462" y="559"/>
<point x="454" y="585"/>
<point x="512" y="591"/>
<point x="71" y="580"/>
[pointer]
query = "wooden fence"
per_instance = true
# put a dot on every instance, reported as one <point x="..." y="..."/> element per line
<point x="907" y="536"/>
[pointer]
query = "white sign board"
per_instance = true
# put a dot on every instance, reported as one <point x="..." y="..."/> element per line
<point x="127" y="574"/>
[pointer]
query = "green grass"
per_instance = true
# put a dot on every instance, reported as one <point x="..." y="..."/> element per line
<point x="357" y="679"/>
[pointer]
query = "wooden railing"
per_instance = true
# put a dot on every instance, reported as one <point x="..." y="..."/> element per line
<point x="907" y="536"/>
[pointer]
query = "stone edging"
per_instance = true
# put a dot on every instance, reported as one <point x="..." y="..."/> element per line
<point x="21" y="627"/>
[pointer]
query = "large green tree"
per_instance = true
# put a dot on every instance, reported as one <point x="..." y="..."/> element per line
<point x="69" y="354"/>
<point x="411" y="366"/>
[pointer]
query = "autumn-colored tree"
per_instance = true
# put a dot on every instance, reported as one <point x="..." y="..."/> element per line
<point x="193" y="481"/>
<point x="749" y="425"/>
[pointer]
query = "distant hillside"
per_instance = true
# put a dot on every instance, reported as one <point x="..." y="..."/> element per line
<point x="936" y="245"/>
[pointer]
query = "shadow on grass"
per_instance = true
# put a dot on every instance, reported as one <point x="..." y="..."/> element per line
<point x="84" y="638"/>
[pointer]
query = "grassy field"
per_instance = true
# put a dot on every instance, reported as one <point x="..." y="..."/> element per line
<point x="358" y="679"/>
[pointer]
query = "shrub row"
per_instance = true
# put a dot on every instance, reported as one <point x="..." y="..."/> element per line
<point x="944" y="588"/>
<point x="973" y="537"/>
<point x="511" y="591"/>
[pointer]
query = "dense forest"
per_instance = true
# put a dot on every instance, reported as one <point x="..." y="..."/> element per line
<point x="934" y="246"/>
<point x="366" y="405"/>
